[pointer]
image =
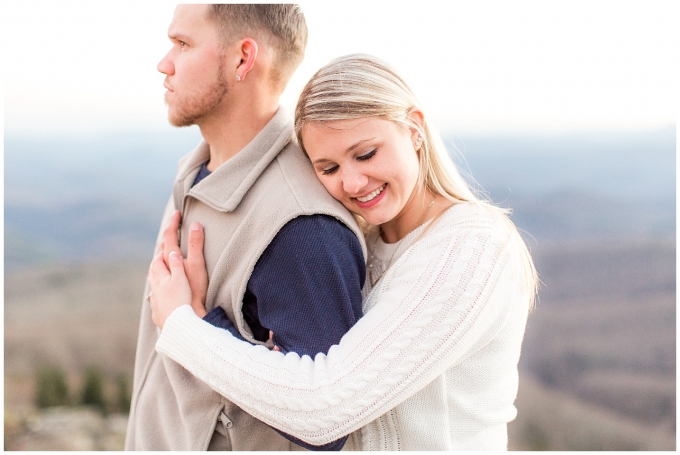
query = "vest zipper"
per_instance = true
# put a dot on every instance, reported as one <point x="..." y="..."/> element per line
<point x="226" y="423"/>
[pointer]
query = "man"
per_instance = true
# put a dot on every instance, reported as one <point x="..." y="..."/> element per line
<point x="281" y="253"/>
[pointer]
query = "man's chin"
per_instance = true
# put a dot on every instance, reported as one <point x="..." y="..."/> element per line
<point x="180" y="121"/>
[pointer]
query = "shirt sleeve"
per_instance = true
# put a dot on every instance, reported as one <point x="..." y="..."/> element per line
<point x="218" y="318"/>
<point x="306" y="288"/>
<point x="446" y="296"/>
<point x="307" y="284"/>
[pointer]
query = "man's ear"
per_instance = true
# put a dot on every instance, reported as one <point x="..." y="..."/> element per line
<point x="248" y="52"/>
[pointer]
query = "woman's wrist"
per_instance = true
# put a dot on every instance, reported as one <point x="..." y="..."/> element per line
<point x="177" y="314"/>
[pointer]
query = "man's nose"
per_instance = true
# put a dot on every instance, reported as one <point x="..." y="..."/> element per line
<point x="166" y="66"/>
<point x="354" y="182"/>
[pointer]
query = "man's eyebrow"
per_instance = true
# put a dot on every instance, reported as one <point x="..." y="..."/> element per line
<point x="177" y="36"/>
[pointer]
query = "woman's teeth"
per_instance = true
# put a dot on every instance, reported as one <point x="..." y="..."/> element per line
<point x="372" y="195"/>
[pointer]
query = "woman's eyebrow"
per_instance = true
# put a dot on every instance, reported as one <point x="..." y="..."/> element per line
<point x="349" y="150"/>
<point x="321" y="160"/>
<point x="358" y="144"/>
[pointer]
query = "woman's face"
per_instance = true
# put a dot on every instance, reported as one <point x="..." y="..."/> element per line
<point x="369" y="164"/>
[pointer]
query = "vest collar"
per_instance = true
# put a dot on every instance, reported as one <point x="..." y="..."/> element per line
<point x="224" y="189"/>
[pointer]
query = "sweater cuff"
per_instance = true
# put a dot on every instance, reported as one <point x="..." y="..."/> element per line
<point x="186" y="339"/>
<point x="180" y="332"/>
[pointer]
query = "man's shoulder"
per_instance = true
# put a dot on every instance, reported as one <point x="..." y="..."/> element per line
<point x="292" y="189"/>
<point x="302" y="183"/>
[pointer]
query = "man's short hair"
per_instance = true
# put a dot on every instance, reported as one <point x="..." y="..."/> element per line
<point x="283" y="27"/>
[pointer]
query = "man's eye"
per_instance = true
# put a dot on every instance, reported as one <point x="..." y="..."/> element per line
<point x="367" y="156"/>
<point x="182" y="44"/>
<point x="330" y="170"/>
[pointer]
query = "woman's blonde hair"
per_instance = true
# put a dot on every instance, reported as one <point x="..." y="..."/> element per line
<point x="360" y="86"/>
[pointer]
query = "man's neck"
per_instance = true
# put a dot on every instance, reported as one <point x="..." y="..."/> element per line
<point x="229" y="133"/>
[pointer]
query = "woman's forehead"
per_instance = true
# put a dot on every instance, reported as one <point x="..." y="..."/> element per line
<point x="334" y="129"/>
<point x="341" y="134"/>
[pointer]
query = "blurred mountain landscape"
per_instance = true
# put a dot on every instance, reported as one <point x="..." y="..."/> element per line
<point x="598" y="212"/>
<point x="101" y="198"/>
<point x="578" y="186"/>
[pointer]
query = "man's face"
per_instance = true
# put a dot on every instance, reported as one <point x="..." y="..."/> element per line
<point x="194" y="67"/>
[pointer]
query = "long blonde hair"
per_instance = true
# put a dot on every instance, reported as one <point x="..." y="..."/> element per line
<point x="359" y="86"/>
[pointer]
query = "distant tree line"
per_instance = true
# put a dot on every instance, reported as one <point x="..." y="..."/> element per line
<point x="52" y="389"/>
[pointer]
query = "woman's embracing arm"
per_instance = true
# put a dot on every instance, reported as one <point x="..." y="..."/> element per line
<point x="445" y="298"/>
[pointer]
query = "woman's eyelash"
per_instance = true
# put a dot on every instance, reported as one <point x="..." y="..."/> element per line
<point x="367" y="156"/>
<point x="330" y="170"/>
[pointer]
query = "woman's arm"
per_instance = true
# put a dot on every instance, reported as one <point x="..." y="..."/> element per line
<point x="445" y="298"/>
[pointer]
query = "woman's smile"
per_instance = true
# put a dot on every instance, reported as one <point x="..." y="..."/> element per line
<point x="371" y="198"/>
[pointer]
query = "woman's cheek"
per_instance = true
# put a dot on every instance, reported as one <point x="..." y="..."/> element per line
<point x="337" y="190"/>
<point x="334" y="187"/>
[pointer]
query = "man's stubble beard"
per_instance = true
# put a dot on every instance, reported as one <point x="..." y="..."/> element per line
<point x="190" y="111"/>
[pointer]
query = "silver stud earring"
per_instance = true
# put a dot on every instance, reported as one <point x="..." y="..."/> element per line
<point x="238" y="77"/>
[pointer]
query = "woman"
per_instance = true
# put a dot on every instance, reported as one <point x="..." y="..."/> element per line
<point x="432" y="365"/>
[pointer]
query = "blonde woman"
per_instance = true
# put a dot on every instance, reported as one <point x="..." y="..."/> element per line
<point x="432" y="365"/>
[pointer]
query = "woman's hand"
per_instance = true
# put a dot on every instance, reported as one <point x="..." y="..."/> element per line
<point x="194" y="264"/>
<point x="271" y="340"/>
<point x="169" y="287"/>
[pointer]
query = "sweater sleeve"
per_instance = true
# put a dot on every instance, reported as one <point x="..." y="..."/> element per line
<point x="443" y="299"/>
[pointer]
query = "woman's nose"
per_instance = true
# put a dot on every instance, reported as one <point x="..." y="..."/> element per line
<point x="354" y="182"/>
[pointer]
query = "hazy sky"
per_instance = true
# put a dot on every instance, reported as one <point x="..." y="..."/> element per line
<point x="477" y="66"/>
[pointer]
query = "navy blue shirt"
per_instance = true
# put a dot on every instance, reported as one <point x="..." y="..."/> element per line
<point x="306" y="288"/>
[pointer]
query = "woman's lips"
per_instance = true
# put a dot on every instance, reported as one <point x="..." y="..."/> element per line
<point x="374" y="198"/>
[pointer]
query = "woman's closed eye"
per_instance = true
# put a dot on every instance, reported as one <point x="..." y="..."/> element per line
<point x="364" y="157"/>
<point x="367" y="156"/>
<point x="330" y="170"/>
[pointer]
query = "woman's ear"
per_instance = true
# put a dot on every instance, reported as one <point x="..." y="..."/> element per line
<point x="417" y="118"/>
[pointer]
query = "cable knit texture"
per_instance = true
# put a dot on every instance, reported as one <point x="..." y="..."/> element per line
<point x="432" y="365"/>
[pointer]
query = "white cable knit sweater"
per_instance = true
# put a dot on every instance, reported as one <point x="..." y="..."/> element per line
<point x="432" y="365"/>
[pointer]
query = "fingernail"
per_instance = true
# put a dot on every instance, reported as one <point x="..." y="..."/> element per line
<point x="195" y="226"/>
<point x="173" y="256"/>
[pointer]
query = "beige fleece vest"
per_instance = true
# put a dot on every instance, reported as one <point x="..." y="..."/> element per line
<point x="242" y="205"/>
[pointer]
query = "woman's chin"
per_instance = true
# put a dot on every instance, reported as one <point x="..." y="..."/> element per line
<point x="375" y="218"/>
<point x="372" y="216"/>
<point x="362" y="213"/>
